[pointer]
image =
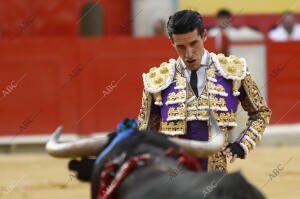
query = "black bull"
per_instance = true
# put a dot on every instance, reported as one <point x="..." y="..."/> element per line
<point x="161" y="176"/>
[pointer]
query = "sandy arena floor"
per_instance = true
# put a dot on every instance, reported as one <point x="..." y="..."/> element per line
<point x="275" y="171"/>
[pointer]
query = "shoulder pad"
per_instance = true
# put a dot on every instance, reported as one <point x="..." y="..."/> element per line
<point x="159" y="78"/>
<point x="230" y="67"/>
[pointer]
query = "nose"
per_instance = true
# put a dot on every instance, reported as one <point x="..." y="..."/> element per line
<point x="189" y="52"/>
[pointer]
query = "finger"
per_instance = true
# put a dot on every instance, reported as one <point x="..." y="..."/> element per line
<point x="226" y="151"/>
<point x="223" y="152"/>
<point x="233" y="158"/>
<point x="224" y="146"/>
<point x="229" y="154"/>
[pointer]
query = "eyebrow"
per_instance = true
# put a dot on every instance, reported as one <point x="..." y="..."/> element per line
<point x="190" y="43"/>
<point x="179" y="45"/>
<point x="194" y="42"/>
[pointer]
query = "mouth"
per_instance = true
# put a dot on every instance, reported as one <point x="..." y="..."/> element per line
<point x="191" y="61"/>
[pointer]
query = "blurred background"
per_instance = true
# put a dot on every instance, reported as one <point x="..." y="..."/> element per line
<point x="79" y="64"/>
<point x="59" y="58"/>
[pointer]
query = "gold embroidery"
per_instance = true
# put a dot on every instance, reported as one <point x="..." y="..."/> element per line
<point x="259" y="126"/>
<point x="211" y="72"/>
<point x="204" y="93"/>
<point x="259" y="113"/>
<point x="202" y="113"/>
<point x="254" y="95"/>
<point x="216" y="89"/>
<point x="144" y="120"/>
<point x="197" y="109"/>
<point x="235" y="87"/>
<point x="190" y="94"/>
<point x="266" y="115"/>
<point x="253" y="136"/>
<point x="176" y="113"/>
<point x="174" y="98"/>
<point x="226" y="119"/>
<point x="192" y="103"/>
<point x="160" y="78"/>
<point x="154" y="122"/>
<point x="218" y="161"/>
<point x="232" y="66"/>
<point x="192" y="113"/>
<point x="218" y="104"/>
<point x="248" y="144"/>
<point x="173" y="127"/>
<point x="197" y="115"/>
<point x="158" y="99"/>
<point x="180" y="82"/>
<point x="202" y="102"/>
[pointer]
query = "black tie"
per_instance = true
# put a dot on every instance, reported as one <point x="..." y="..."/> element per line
<point x="193" y="82"/>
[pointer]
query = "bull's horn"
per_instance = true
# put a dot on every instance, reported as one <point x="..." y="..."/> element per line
<point x="203" y="148"/>
<point x="78" y="148"/>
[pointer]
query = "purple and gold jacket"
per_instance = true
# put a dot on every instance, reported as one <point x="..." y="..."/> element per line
<point x="170" y="106"/>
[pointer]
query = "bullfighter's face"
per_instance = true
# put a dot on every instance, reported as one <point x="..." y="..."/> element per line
<point x="190" y="47"/>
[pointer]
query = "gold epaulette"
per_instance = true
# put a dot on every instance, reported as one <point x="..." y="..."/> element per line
<point x="159" y="78"/>
<point x="231" y="67"/>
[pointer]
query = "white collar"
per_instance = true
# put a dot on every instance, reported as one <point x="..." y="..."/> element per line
<point x="204" y="60"/>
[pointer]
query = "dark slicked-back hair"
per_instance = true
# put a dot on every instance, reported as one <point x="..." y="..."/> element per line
<point x="185" y="21"/>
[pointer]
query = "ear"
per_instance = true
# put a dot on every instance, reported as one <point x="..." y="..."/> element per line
<point x="204" y="35"/>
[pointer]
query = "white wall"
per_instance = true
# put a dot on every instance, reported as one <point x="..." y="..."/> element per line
<point x="146" y="12"/>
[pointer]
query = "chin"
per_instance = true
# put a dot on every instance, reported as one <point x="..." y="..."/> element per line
<point x="193" y="66"/>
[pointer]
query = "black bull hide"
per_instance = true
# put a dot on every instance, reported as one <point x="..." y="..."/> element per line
<point x="162" y="177"/>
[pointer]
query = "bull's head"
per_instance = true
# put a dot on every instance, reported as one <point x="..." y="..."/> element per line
<point x="152" y="180"/>
<point x="93" y="146"/>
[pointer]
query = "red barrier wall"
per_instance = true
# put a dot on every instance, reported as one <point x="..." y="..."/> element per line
<point x="86" y="85"/>
<point x="91" y="84"/>
<point x="283" y="81"/>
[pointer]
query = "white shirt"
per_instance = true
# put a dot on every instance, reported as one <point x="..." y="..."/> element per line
<point x="280" y="34"/>
<point x="213" y="32"/>
<point x="216" y="32"/>
<point x="201" y="75"/>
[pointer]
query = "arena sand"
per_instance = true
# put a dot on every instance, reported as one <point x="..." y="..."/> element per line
<point x="275" y="171"/>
